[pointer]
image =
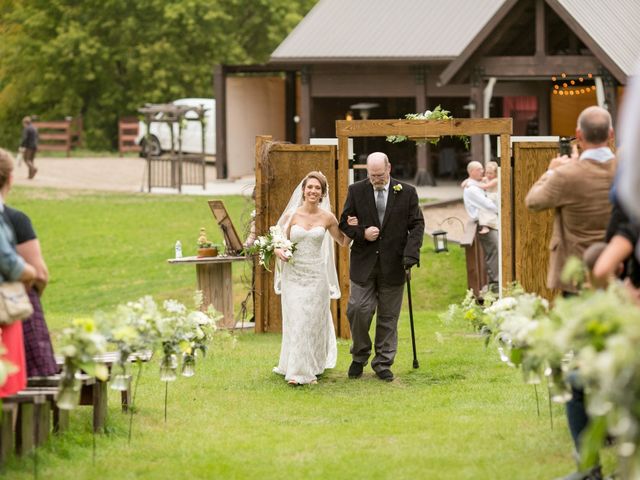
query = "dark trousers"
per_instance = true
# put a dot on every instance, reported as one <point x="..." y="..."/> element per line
<point x="576" y="411"/>
<point x="374" y="296"/>
<point x="577" y="417"/>
<point x="29" y="156"/>
<point x="489" y="242"/>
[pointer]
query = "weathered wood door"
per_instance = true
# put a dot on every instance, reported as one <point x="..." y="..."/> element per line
<point x="532" y="231"/>
<point x="279" y="169"/>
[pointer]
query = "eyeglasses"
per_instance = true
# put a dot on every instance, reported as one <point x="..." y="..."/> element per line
<point x="377" y="175"/>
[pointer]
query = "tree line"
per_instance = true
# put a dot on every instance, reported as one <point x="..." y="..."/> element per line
<point x="102" y="59"/>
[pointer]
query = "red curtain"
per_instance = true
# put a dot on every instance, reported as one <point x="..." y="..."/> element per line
<point x="524" y="111"/>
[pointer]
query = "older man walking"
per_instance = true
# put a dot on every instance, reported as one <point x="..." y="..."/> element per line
<point x="577" y="188"/>
<point x="386" y="244"/>
<point x="475" y="199"/>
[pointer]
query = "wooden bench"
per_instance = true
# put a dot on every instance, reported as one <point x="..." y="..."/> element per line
<point x="96" y="393"/>
<point x="38" y="414"/>
<point x="33" y="424"/>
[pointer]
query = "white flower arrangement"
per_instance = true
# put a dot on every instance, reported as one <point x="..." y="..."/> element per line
<point x="594" y="335"/>
<point x="81" y="342"/>
<point x="437" y="113"/>
<point x="265" y="246"/>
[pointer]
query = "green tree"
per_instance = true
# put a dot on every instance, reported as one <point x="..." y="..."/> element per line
<point x="102" y="59"/>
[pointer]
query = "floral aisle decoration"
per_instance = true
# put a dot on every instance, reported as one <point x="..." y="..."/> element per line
<point x="265" y="246"/>
<point x="181" y="332"/>
<point x="437" y="113"/>
<point x="593" y="337"/>
<point x="602" y="329"/>
<point x="518" y="324"/>
<point x="200" y="327"/>
<point x="81" y="342"/>
<point x="132" y="328"/>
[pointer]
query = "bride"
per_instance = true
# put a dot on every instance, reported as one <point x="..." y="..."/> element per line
<point x="307" y="282"/>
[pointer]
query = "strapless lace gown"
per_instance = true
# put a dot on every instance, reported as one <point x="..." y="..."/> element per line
<point x="308" y="336"/>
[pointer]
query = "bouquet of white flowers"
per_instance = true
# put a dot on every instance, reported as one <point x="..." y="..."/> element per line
<point x="265" y="246"/>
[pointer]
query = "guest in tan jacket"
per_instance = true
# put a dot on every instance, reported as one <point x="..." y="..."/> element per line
<point x="578" y="189"/>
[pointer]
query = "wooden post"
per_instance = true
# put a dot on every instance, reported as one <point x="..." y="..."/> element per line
<point x="343" y="330"/>
<point x="506" y="211"/>
<point x="220" y="89"/>
<point x="43" y="420"/>
<point x="147" y="120"/>
<point x="60" y="420"/>
<point x="541" y="46"/>
<point x="423" y="175"/>
<point x="25" y="429"/>
<point x="261" y="227"/>
<point x="305" y="105"/>
<point x="476" y="97"/>
<point x="99" y="405"/>
<point x="6" y="433"/>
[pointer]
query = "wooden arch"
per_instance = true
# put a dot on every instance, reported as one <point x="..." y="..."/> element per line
<point x="502" y="127"/>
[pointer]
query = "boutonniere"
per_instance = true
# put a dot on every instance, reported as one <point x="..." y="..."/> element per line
<point x="397" y="188"/>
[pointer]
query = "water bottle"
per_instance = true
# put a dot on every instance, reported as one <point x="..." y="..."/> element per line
<point x="178" y="249"/>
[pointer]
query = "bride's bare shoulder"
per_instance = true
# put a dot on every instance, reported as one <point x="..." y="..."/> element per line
<point x="328" y="217"/>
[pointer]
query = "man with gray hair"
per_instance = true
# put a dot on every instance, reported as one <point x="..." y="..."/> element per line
<point x="386" y="245"/>
<point x="475" y="199"/>
<point x="577" y="189"/>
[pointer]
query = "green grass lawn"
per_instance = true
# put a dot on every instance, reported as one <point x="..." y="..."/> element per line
<point x="462" y="415"/>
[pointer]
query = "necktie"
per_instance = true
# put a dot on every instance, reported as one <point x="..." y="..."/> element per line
<point x="380" y="205"/>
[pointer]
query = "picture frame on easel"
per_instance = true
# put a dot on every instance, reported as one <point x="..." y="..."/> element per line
<point x="232" y="240"/>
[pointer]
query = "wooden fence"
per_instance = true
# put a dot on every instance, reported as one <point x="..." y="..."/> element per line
<point x="127" y="134"/>
<point x="60" y="135"/>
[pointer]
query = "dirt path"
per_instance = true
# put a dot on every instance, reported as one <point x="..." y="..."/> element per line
<point x="443" y="218"/>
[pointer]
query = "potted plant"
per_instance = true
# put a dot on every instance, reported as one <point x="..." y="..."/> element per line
<point x="205" y="247"/>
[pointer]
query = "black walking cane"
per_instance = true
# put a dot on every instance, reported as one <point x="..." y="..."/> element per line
<point x="413" y="334"/>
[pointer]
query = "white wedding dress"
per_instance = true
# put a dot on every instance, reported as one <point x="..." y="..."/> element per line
<point x="308" y="337"/>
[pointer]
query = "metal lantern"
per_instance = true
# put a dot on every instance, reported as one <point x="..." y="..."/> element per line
<point x="440" y="241"/>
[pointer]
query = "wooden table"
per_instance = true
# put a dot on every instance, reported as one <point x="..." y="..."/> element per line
<point x="215" y="281"/>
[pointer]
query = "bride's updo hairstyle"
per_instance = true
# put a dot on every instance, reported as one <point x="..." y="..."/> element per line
<point x="6" y="167"/>
<point x="320" y="178"/>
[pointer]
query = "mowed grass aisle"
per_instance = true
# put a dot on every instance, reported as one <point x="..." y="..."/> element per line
<point x="462" y="415"/>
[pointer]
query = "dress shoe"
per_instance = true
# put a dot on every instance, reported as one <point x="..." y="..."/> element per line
<point x="386" y="375"/>
<point x="355" y="370"/>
